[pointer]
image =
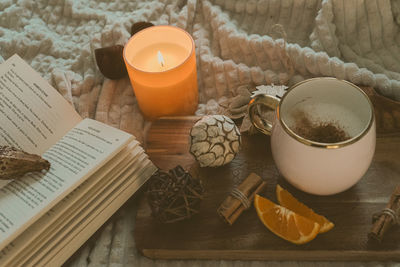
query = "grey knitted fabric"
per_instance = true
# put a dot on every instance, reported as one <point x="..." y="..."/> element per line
<point x="356" y="40"/>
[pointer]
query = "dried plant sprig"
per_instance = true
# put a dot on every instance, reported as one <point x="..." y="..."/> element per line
<point x="15" y="163"/>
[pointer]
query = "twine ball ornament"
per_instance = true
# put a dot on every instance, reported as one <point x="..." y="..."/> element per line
<point x="214" y="140"/>
<point x="174" y="195"/>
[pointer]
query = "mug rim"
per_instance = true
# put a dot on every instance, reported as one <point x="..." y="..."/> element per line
<point x="321" y="144"/>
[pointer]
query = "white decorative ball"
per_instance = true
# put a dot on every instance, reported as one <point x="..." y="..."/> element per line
<point x="214" y="140"/>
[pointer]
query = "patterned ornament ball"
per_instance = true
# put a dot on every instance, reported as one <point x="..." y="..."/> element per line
<point x="214" y="140"/>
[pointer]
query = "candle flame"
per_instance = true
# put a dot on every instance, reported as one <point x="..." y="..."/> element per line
<point x="160" y="59"/>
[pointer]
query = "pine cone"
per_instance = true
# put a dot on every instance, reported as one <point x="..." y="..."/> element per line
<point x="214" y="140"/>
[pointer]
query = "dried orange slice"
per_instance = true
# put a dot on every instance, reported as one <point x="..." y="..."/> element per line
<point x="285" y="223"/>
<point x="288" y="201"/>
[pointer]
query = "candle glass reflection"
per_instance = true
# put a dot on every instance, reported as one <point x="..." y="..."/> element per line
<point x="161" y="64"/>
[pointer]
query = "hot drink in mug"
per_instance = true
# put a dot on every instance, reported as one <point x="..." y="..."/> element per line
<point x="322" y="135"/>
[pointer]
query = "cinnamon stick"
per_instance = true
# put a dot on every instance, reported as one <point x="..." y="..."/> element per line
<point x="232" y="206"/>
<point x="387" y="218"/>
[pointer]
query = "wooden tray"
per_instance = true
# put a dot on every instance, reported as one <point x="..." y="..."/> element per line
<point x="206" y="236"/>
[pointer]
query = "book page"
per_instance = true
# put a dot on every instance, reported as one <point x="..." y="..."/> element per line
<point x="82" y="151"/>
<point x="60" y="214"/>
<point x="33" y="114"/>
<point x="130" y="180"/>
<point x="60" y="251"/>
<point x="104" y="203"/>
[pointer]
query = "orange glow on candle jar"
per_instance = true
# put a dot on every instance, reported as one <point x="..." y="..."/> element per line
<point x="161" y="63"/>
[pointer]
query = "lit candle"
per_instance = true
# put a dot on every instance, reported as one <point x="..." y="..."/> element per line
<point x="161" y="64"/>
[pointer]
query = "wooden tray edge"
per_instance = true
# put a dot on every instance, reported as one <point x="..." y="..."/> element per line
<point x="320" y="255"/>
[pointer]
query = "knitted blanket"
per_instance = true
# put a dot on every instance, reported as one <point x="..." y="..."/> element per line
<point x="236" y="44"/>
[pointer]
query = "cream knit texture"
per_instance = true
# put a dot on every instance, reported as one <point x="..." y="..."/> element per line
<point x="355" y="40"/>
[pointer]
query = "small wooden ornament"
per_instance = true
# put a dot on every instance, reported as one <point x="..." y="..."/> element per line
<point x="138" y="26"/>
<point x="15" y="163"/>
<point x="110" y="61"/>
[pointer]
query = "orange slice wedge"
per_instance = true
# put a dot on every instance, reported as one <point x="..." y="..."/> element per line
<point x="290" y="202"/>
<point x="285" y="223"/>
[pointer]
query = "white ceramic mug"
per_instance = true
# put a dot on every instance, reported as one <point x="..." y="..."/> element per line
<point x="316" y="167"/>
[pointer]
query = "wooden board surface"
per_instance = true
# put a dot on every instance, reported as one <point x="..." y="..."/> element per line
<point x="206" y="236"/>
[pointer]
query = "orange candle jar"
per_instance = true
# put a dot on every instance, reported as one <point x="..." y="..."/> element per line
<point x="161" y="64"/>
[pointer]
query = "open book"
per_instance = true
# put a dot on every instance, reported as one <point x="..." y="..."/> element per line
<point x="95" y="168"/>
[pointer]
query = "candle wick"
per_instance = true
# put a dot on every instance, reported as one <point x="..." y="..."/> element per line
<point x="160" y="59"/>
